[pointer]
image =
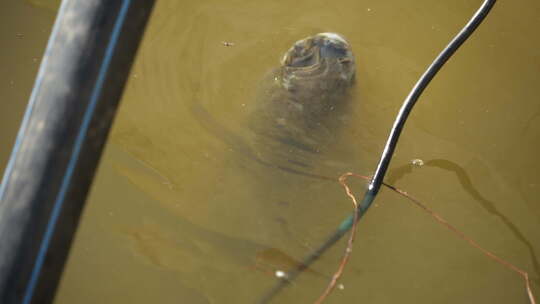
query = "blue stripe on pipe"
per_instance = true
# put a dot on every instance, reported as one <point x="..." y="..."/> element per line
<point x="96" y="92"/>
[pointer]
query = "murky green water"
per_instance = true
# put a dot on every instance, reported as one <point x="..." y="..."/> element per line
<point x="178" y="214"/>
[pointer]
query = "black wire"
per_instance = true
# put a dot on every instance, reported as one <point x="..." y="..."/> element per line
<point x="391" y="143"/>
<point x="417" y="90"/>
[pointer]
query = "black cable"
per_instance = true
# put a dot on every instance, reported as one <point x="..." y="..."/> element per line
<point x="391" y="143"/>
<point x="417" y="90"/>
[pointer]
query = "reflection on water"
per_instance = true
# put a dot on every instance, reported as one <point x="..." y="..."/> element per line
<point x="181" y="210"/>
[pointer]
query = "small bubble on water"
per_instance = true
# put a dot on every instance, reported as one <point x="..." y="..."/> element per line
<point x="417" y="162"/>
<point x="281" y="274"/>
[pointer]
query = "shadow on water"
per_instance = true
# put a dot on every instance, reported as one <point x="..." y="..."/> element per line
<point x="466" y="182"/>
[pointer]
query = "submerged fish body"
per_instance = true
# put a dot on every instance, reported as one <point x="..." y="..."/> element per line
<point x="300" y="102"/>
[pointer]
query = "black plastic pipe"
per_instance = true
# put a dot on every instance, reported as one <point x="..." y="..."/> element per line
<point x="71" y="108"/>
<point x="386" y="156"/>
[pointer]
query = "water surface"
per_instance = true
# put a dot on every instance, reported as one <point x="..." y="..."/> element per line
<point x="179" y="214"/>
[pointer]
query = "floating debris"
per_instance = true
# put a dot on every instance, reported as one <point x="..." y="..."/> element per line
<point x="227" y="43"/>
